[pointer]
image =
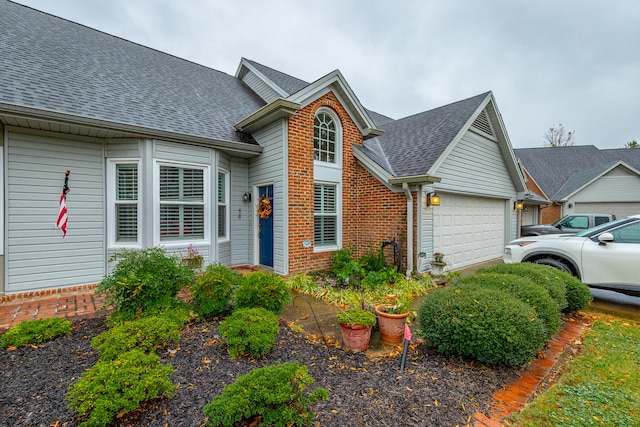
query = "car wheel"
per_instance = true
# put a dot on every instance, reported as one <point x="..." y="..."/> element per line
<point x="555" y="264"/>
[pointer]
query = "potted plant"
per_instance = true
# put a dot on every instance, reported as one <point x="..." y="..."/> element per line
<point x="438" y="264"/>
<point x="356" y="324"/>
<point x="392" y="318"/>
<point x="193" y="259"/>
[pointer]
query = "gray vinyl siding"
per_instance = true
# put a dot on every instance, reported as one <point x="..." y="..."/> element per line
<point x="271" y="168"/>
<point x="37" y="256"/>
<point x="260" y="87"/>
<point x="619" y="185"/>
<point x="619" y="209"/>
<point x="241" y="214"/>
<point x="476" y="166"/>
<point x="124" y="149"/>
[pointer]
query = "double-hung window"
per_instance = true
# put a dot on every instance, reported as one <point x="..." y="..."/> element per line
<point x="325" y="215"/>
<point x="124" y="216"/>
<point x="223" y="205"/>
<point x="182" y="204"/>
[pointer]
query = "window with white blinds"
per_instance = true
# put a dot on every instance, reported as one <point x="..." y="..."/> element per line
<point x="181" y="203"/>
<point x="223" y="203"/>
<point x="126" y="202"/>
<point x="325" y="215"/>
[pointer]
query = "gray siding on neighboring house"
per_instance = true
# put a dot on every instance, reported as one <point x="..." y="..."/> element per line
<point x="37" y="256"/>
<point x="271" y="168"/>
<point x="242" y="214"/>
<point x="260" y="87"/>
<point x="476" y="166"/>
<point x="619" y="184"/>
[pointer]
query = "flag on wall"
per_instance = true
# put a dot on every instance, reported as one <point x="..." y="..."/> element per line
<point x="62" y="220"/>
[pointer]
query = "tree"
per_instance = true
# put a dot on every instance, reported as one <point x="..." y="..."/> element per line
<point x="556" y="137"/>
<point x="632" y="144"/>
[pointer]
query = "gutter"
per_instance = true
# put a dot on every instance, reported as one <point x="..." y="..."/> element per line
<point x="407" y="193"/>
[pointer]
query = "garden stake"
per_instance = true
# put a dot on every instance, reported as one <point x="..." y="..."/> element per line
<point x="407" y="340"/>
<point x="326" y="346"/>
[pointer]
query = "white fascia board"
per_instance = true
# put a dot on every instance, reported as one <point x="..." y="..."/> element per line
<point x="336" y="79"/>
<point x="274" y="110"/>
<point x="245" y="64"/>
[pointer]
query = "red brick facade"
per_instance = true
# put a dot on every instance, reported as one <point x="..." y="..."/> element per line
<point x="371" y="213"/>
<point x="547" y="213"/>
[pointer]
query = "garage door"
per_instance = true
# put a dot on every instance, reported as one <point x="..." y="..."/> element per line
<point x="469" y="230"/>
<point x="620" y="210"/>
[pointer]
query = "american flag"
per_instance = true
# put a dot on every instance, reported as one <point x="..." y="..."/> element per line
<point x="62" y="220"/>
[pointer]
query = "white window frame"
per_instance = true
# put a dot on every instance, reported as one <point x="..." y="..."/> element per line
<point x="225" y="203"/>
<point x="338" y="215"/>
<point x="180" y="243"/>
<point x="2" y="198"/>
<point x="338" y="145"/>
<point x="112" y="202"/>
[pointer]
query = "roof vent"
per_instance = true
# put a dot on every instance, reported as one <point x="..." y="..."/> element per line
<point x="482" y="124"/>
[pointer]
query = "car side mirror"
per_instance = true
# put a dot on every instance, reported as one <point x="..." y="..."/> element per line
<point x="605" y="238"/>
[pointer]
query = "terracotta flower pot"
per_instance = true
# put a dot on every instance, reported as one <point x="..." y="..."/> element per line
<point x="356" y="337"/>
<point x="391" y="325"/>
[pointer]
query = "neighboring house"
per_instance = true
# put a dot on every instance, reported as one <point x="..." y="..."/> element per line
<point x="163" y="151"/>
<point x="580" y="179"/>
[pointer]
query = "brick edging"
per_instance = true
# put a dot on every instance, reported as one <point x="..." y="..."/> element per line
<point x="45" y="292"/>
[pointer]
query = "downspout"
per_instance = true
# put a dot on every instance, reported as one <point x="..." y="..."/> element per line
<point x="407" y="193"/>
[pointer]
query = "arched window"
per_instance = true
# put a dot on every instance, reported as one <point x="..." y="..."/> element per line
<point x="325" y="138"/>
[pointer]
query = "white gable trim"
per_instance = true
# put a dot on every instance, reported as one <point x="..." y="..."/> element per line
<point x="591" y="181"/>
<point x="245" y="64"/>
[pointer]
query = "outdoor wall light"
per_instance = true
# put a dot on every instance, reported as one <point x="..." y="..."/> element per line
<point x="518" y="205"/>
<point x="433" y="199"/>
<point x="246" y="197"/>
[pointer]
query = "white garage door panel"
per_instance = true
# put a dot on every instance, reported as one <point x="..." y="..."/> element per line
<point x="620" y="210"/>
<point x="469" y="230"/>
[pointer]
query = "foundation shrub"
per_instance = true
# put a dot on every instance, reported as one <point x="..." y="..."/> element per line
<point x="578" y="294"/>
<point x="144" y="282"/>
<point x="250" y="331"/>
<point x="340" y="258"/>
<point x="144" y="334"/>
<point x="277" y="394"/>
<point x="261" y="289"/>
<point x="119" y="386"/>
<point x="213" y="291"/>
<point x="523" y="289"/>
<point x="35" y="331"/>
<point x="491" y="326"/>
<point x="541" y="274"/>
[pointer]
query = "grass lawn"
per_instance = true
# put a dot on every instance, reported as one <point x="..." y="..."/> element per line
<point x="601" y="387"/>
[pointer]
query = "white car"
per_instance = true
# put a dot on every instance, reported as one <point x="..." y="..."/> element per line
<point x="606" y="256"/>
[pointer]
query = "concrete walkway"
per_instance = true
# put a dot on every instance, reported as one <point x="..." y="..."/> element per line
<point x="314" y="317"/>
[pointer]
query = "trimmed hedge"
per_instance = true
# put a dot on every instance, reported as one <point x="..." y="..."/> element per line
<point x="213" y="290"/>
<point x="250" y="331"/>
<point x="523" y="289"/>
<point x="540" y="274"/>
<point x="35" y="331"/>
<point x="261" y="289"/>
<point x="491" y="326"/>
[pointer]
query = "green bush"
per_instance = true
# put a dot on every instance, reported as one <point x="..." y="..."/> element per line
<point x="275" y="393"/>
<point x="491" y="326"/>
<point x="340" y="258"/>
<point x="261" y="289"/>
<point x="250" y="331"/>
<point x="373" y="260"/>
<point x="35" y="331"/>
<point x="540" y="274"/>
<point x="144" y="334"/>
<point x="356" y="317"/>
<point x="578" y="294"/>
<point x="119" y="386"/>
<point x="144" y="282"/>
<point x="523" y="289"/>
<point x="213" y="290"/>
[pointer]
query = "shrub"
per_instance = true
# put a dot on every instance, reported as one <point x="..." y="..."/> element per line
<point x="261" y="289"/>
<point x="250" y="331"/>
<point x="373" y="260"/>
<point x="488" y="325"/>
<point x="523" y="289"/>
<point x="275" y="393"/>
<point x="340" y="258"/>
<point x="143" y="334"/>
<point x="540" y="274"/>
<point x="119" y="386"/>
<point x="35" y="331"/>
<point x="213" y="290"/>
<point x="578" y="294"/>
<point x="356" y="317"/>
<point x="144" y="281"/>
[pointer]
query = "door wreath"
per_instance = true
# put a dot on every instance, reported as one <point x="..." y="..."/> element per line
<point x="264" y="208"/>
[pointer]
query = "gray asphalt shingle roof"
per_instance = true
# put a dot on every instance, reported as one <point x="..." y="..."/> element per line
<point x="560" y="171"/>
<point x="53" y="64"/>
<point x="413" y="144"/>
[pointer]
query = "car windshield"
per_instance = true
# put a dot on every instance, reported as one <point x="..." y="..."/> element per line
<point x="590" y="232"/>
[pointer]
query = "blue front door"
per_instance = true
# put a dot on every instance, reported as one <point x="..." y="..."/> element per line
<point x="265" y="224"/>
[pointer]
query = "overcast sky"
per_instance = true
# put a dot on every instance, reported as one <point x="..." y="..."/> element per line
<point x="575" y="62"/>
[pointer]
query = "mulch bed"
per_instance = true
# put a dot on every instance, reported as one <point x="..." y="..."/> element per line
<point x="433" y="390"/>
